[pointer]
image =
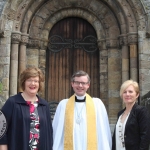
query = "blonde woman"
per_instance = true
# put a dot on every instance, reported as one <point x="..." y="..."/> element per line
<point x="132" y="131"/>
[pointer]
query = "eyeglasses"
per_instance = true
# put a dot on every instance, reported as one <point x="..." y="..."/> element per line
<point x="82" y="83"/>
<point x="32" y="81"/>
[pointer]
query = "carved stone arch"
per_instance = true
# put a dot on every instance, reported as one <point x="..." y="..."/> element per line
<point x="24" y="14"/>
<point x="102" y="19"/>
<point x="27" y="8"/>
<point x="139" y="11"/>
<point x="19" y="15"/>
<point x="130" y="20"/>
<point x="106" y="27"/>
<point x="21" y="12"/>
<point x="72" y="13"/>
<point x="133" y="14"/>
<point x="116" y="9"/>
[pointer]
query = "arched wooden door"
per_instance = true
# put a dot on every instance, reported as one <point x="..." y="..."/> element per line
<point x="72" y="46"/>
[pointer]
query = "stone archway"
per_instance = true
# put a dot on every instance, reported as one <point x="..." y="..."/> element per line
<point x="111" y="43"/>
<point x="30" y="22"/>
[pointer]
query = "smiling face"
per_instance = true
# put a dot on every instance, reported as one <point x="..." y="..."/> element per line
<point x="129" y="95"/>
<point x="80" y="85"/>
<point x="32" y="85"/>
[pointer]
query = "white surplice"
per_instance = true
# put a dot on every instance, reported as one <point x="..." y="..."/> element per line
<point x="80" y="130"/>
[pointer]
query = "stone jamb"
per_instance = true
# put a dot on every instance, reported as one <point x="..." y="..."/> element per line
<point x="16" y="38"/>
<point x="114" y="78"/>
<point x="103" y="62"/>
<point x="132" y="42"/>
<point x="22" y="54"/>
<point x="125" y="57"/>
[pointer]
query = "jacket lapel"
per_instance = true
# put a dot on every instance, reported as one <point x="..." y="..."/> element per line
<point x="131" y="115"/>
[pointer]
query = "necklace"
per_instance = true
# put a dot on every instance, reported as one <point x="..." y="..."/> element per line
<point x="124" y="116"/>
<point x="79" y="117"/>
<point x="27" y="99"/>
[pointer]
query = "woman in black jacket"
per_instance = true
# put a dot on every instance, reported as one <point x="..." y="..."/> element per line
<point x="28" y="117"/>
<point x="132" y="131"/>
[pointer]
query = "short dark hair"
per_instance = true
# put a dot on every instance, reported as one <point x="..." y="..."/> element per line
<point x="31" y="72"/>
<point x="79" y="74"/>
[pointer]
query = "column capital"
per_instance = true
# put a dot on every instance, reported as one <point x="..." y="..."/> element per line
<point x="34" y="43"/>
<point x="132" y="38"/>
<point x="123" y="40"/>
<point x="15" y="37"/>
<point x="112" y="43"/>
<point x="24" y="38"/>
<point x="101" y="44"/>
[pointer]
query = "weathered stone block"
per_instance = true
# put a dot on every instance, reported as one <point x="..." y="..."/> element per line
<point x="114" y="53"/>
<point x="114" y="64"/>
<point x="6" y="40"/>
<point x="115" y="100"/>
<point x="104" y="95"/>
<point x="125" y="65"/>
<point x="103" y="76"/>
<point x="145" y="46"/>
<point x="103" y="87"/>
<point x="103" y="60"/>
<point x="113" y="93"/>
<point x="6" y="71"/>
<point x="45" y="34"/>
<point x="133" y="51"/>
<point x="114" y="84"/>
<point x="133" y="63"/>
<point x="103" y="53"/>
<point x="103" y="68"/>
<point x="42" y="53"/>
<point x="42" y="63"/>
<point x="5" y="83"/>
<point x="4" y="60"/>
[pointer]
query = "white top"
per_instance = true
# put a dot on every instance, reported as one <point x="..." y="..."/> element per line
<point x="120" y="129"/>
<point x="80" y="129"/>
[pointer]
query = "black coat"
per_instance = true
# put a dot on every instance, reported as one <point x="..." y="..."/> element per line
<point x="17" y="115"/>
<point x="137" y="129"/>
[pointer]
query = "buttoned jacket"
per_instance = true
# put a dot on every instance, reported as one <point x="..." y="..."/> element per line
<point x="17" y="115"/>
<point x="137" y="129"/>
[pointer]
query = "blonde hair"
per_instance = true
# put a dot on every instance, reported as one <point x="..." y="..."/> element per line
<point x="128" y="83"/>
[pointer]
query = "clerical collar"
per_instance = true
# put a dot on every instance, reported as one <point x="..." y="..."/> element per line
<point x="80" y="98"/>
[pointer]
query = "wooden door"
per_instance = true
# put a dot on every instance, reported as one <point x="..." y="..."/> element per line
<point x="72" y="47"/>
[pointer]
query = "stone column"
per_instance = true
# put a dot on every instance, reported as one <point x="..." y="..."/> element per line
<point x="22" y="52"/>
<point x="103" y="61"/>
<point x="125" y="57"/>
<point x="42" y="64"/>
<point x="132" y="41"/>
<point x="33" y="52"/>
<point x="22" y="55"/>
<point x="15" y="38"/>
<point x="114" y="78"/>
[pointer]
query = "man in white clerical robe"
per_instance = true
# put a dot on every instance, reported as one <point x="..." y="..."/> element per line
<point x="81" y="122"/>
